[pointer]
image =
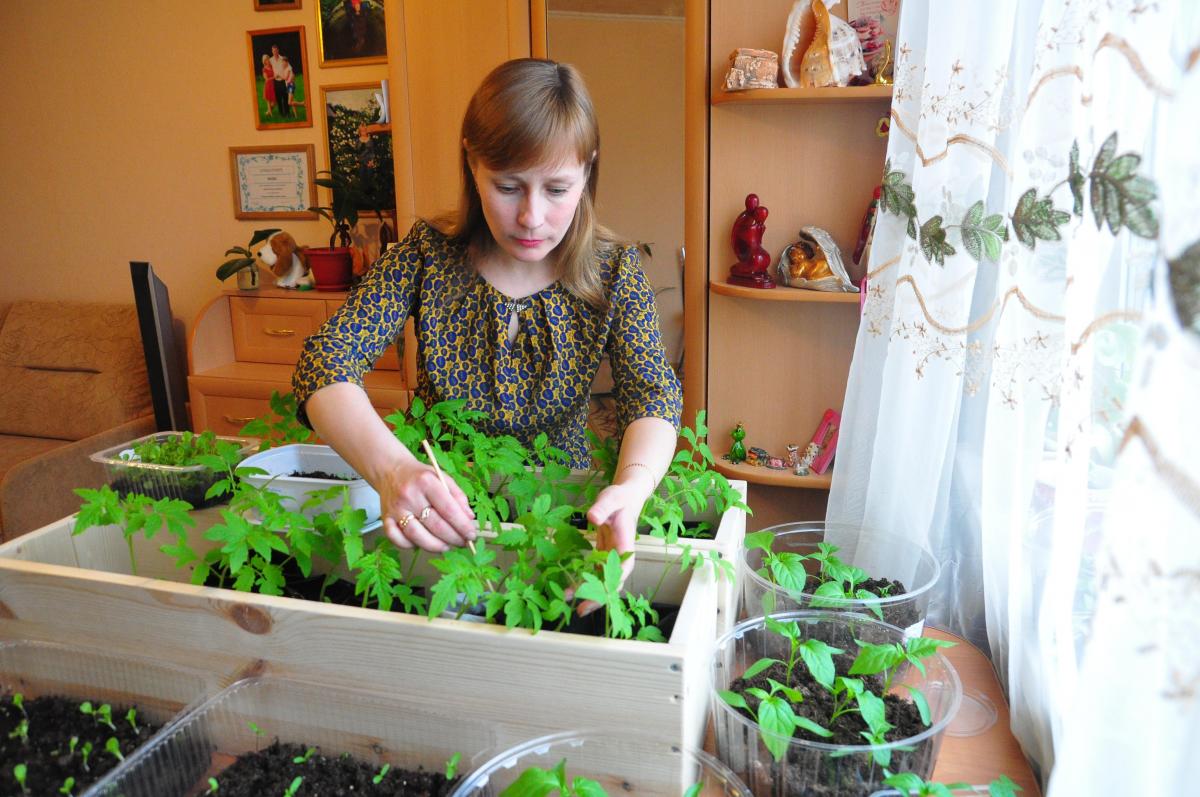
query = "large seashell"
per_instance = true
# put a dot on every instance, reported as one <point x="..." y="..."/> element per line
<point x="801" y="27"/>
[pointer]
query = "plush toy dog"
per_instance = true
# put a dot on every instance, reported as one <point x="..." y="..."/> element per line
<point x="286" y="260"/>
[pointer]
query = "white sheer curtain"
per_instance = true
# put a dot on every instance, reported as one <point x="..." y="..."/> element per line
<point x="1037" y="152"/>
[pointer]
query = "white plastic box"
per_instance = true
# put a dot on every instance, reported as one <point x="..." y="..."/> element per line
<point x="279" y="463"/>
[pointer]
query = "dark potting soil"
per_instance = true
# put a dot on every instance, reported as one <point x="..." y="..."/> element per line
<point x="320" y="474"/>
<point x="341" y="592"/>
<point x="272" y="770"/>
<point x="901" y="616"/>
<point x="52" y="722"/>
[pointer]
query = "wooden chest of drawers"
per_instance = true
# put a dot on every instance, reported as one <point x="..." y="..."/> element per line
<point x="244" y="345"/>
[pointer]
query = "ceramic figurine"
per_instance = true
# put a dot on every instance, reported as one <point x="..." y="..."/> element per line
<point x="804" y="468"/>
<point x="752" y="268"/>
<point x="737" y="451"/>
<point x="793" y="457"/>
<point x="814" y="262"/>
<point x="775" y="463"/>
<point x="757" y="456"/>
<point x="861" y="249"/>
<point x="752" y="69"/>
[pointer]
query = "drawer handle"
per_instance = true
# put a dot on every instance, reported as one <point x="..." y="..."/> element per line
<point x="237" y="421"/>
<point x="279" y="333"/>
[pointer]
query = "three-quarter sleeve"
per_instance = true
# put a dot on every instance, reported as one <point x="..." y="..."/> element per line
<point x="372" y="318"/>
<point x="644" y="384"/>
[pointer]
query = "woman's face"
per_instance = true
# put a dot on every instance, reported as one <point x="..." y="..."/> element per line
<point x="530" y="210"/>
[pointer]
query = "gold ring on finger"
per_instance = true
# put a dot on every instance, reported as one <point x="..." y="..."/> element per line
<point x="403" y="522"/>
<point x="425" y="512"/>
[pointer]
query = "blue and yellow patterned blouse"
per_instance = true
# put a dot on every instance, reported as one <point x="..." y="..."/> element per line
<point x="539" y="382"/>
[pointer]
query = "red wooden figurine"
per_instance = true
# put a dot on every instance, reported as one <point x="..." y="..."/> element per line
<point x="753" y="267"/>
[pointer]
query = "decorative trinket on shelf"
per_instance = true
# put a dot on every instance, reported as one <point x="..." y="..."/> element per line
<point x="753" y="267"/>
<point x="882" y="78"/>
<point x="871" y="37"/>
<point x="737" y="451"/>
<point x="862" y="249"/>
<point x="832" y="55"/>
<point x="825" y="439"/>
<point x="793" y="457"/>
<point x="804" y="466"/>
<point x="814" y="262"/>
<point x="752" y="69"/>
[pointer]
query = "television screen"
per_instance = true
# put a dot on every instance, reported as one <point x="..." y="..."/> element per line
<point x="168" y="388"/>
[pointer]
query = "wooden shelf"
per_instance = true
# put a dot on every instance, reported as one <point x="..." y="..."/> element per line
<point x="783" y="294"/>
<point x="757" y="474"/>
<point x="785" y="95"/>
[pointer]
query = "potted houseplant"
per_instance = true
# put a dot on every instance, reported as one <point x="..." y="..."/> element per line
<point x="333" y="266"/>
<point x="244" y="263"/>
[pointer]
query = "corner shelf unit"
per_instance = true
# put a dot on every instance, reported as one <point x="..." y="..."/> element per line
<point x="773" y="359"/>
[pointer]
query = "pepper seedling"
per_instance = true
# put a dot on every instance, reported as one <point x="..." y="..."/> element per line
<point x="20" y="772"/>
<point x="67" y="786"/>
<point x="84" y="752"/>
<point x="910" y="784"/>
<point x="452" y="766"/>
<point x="381" y="774"/>
<point x="535" y="781"/>
<point x="295" y="787"/>
<point x="20" y="732"/>
<point x="303" y="759"/>
<point x="131" y="718"/>
<point x="212" y="786"/>
<point x="113" y="748"/>
<point x="18" y="700"/>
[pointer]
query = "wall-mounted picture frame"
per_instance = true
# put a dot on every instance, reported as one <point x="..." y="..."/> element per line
<point x="273" y="182"/>
<point x="279" y="77"/>
<point x="351" y="32"/>
<point x="358" y="144"/>
<point x="276" y="5"/>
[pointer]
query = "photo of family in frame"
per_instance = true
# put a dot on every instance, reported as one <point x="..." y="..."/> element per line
<point x="279" y="64"/>
<point x="351" y="32"/>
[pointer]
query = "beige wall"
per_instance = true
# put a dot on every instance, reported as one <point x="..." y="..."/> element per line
<point x="118" y="116"/>
<point x="634" y="69"/>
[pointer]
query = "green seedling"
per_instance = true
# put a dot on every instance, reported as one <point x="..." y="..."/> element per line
<point x="259" y="732"/>
<point x="20" y="732"/>
<point x="18" y="700"/>
<point x="452" y="766"/>
<point x="212" y="786"/>
<point x="381" y="774"/>
<point x="295" y="787"/>
<point x="303" y="759"/>
<point x="134" y="514"/>
<point x="84" y="753"/>
<point x="113" y="748"/>
<point x="102" y="715"/>
<point x="913" y="785"/>
<point x="131" y="718"/>
<point x="71" y="745"/>
<point x="20" y="772"/>
<point x="836" y="581"/>
<point x="537" y="782"/>
<point x="67" y="787"/>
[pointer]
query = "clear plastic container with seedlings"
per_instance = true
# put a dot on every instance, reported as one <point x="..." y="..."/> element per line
<point x="590" y="764"/>
<point x="274" y="736"/>
<point x="814" y="565"/>
<point x="829" y="704"/>
<point x="70" y="715"/>
<point x="177" y="465"/>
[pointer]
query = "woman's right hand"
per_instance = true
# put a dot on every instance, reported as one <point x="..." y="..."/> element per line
<point x="418" y="511"/>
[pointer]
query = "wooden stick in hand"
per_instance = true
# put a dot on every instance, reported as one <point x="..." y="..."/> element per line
<point x="441" y="477"/>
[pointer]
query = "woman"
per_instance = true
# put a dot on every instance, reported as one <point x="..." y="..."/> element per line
<point x="516" y="299"/>
<point x="268" y="83"/>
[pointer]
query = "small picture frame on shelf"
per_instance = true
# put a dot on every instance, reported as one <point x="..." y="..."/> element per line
<point x="351" y="32"/>
<point x="279" y="77"/>
<point x="273" y="182"/>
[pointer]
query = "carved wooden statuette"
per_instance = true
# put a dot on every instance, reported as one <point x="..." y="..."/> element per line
<point x="752" y="268"/>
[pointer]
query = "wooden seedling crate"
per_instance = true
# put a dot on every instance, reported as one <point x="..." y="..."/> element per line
<point x="56" y="587"/>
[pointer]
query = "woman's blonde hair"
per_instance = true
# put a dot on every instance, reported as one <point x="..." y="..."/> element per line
<point x="531" y="111"/>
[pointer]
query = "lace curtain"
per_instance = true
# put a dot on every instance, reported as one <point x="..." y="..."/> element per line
<point x="1021" y="376"/>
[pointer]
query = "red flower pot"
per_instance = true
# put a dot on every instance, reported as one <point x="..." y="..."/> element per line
<point x="331" y="267"/>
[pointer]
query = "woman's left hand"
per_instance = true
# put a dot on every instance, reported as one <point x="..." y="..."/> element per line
<point x="615" y="515"/>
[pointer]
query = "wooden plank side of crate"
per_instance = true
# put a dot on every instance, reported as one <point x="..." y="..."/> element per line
<point x="51" y="544"/>
<point x="487" y="671"/>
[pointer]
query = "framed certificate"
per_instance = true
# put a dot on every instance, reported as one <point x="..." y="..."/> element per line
<point x="273" y="182"/>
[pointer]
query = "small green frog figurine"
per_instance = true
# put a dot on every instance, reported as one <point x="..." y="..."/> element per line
<point x="737" y="452"/>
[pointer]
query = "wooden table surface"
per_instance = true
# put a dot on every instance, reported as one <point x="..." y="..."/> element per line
<point x="980" y="759"/>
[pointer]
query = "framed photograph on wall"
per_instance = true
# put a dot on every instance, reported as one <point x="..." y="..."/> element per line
<point x="279" y="78"/>
<point x="357" y="144"/>
<point x="275" y="5"/>
<point x="273" y="182"/>
<point x="351" y="32"/>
